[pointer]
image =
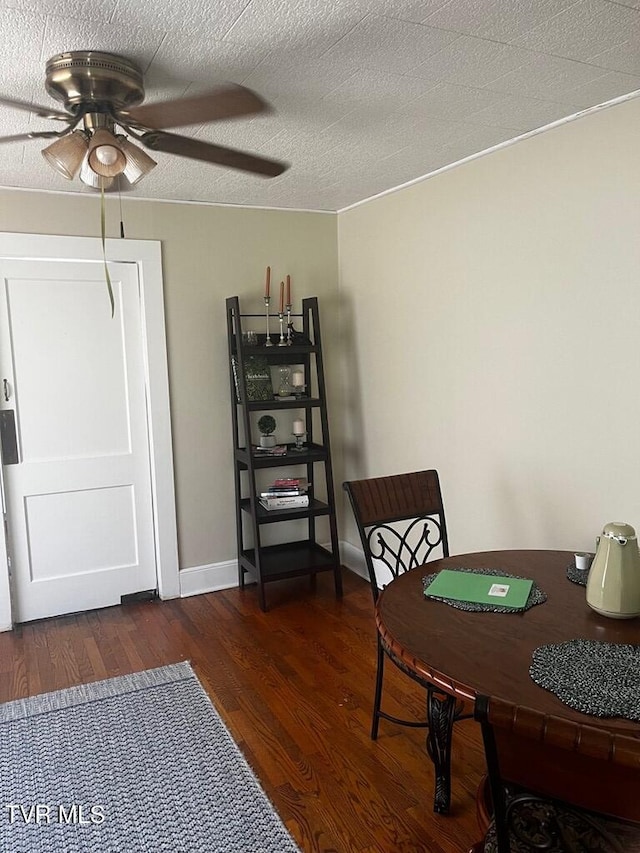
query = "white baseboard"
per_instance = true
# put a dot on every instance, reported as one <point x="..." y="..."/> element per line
<point x="197" y="580"/>
<point x="353" y="559"/>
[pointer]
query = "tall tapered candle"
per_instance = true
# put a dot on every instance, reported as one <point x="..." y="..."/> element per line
<point x="288" y="290"/>
<point x="282" y="297"/>
<point x="267" y="287"/>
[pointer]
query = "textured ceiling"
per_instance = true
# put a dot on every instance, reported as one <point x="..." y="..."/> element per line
<point x="368" y="94"/>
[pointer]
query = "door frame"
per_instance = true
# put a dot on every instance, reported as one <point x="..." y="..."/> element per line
<point x="146" y="254"/>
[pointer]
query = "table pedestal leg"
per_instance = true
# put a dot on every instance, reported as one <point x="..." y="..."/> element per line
<point x="441" y="710"/>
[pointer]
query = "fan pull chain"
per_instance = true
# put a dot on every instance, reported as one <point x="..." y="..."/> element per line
<point x="120" y="200"/>
<point x="104" y="247"/>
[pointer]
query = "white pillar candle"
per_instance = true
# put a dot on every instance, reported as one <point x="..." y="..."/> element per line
<point x="298" y="427"/>
<point x="297" y="378"/>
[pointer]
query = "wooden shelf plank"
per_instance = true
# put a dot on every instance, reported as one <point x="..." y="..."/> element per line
<point x="266" y="516"/>
<point x="292" y="560"/>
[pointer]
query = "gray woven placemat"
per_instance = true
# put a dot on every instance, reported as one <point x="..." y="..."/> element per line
<point x="602" y="679"/>
<point x="536" y="596"/>
<point x="579" y="576"/>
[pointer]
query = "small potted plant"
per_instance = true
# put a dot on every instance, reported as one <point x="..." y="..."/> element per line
<point x="267" y="425"/>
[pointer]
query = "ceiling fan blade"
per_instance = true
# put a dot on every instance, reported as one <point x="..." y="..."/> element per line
<point x="41" y="112"/>
<point x="224" y="102"/>
<point x="198" y="150"/>
<point x="19" y="137"/>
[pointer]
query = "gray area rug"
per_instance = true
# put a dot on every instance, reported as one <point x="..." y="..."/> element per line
<point x="133" y="764"/>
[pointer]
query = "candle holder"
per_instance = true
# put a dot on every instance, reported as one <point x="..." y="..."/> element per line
<point x="268" y="342"/>
<point x="299" y="445"/>
<point x="289" y="324"/>
<point x="297" y="382"/>
<point x="282" y="342"/>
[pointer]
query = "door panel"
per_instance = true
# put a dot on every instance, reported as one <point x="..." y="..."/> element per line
<point x="99" y="532"/>
<point x="79" y="500"/>
<point x="80" y="356"/>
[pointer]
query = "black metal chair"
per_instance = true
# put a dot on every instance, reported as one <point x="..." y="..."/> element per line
<point x="402" y="524"/>
<point x="554" y="785"/>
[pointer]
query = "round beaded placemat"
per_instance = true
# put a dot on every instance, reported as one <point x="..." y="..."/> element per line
<point x="536" y="596"/>
<point x="579" y="576"/>
<point x="602" y="679"/>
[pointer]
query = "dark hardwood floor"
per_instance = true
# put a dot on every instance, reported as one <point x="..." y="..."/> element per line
<point x="294" y="686"/>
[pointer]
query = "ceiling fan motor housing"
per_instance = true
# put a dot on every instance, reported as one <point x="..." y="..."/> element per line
<point x="80" y="77"/>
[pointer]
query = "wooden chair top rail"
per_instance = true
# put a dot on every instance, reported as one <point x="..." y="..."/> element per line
<point x="387" y="499"/>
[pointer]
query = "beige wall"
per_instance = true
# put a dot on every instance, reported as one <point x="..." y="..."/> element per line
<point x="487" y="324"/>
<point x="209" y="253"/>
<point x="492" y="330"/>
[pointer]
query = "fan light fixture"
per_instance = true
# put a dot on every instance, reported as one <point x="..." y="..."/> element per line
<point x="106" y="121"/>
<point x="100" y="155"/>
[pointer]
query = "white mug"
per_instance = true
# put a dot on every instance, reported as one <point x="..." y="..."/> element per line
<point x="583" y="561"/>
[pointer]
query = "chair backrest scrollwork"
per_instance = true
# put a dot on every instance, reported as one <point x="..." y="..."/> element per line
<point x="402" y="550"/>
<point x="401" y="523"/>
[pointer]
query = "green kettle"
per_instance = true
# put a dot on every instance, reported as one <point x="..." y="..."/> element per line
<point x="613" y="587"/>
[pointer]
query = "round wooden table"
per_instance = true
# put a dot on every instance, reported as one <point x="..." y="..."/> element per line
<point x="469" y="654"/>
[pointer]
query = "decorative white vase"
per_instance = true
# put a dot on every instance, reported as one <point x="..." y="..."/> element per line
<point x="267" y="441"/>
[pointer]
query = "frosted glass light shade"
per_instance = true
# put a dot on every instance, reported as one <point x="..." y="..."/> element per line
<point x="105" y="157"/>
<point x="91" y="179"/>
<point x="66" y="154"/>
<point x="139" y="163"/>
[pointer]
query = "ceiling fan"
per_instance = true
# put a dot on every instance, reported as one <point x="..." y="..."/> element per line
<point x="102" y="94"/>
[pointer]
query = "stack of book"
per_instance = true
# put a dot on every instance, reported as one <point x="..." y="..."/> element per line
<point x="286" y="493"/>
<point x="276" y="450"/>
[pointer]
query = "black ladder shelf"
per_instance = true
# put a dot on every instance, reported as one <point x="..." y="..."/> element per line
<point x="265" y="563"/>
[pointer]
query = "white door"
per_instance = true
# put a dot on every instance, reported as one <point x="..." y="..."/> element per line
<point x="79" y="500"/>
